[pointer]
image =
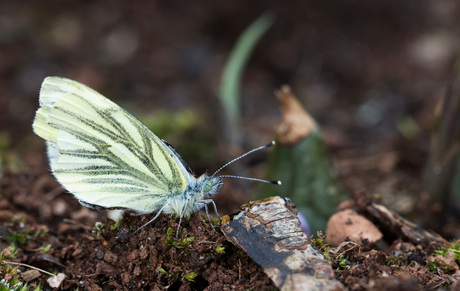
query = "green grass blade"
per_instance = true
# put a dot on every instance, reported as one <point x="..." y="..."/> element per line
<point x="231" y="77"/>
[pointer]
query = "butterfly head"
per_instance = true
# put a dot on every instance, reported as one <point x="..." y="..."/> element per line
<point x="211" y="185"/>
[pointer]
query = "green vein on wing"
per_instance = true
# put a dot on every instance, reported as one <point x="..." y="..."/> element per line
<point x="121" y="137"/>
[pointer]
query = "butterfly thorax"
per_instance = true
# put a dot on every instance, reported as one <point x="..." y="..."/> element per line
<point x="194" y="196"/>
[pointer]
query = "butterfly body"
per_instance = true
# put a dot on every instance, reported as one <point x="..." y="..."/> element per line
<point x="110" y="160"/>
<point x="196" y="195"/>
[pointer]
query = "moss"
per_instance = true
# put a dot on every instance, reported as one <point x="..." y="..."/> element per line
<point x="190" y="276"/>
<point x="220" y="249"/>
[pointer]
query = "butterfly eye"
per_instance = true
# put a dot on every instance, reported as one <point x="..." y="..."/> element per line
<point x="207" y="186"/>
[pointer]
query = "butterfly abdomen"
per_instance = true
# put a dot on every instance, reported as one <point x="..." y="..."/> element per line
<point x="184" y="205"/>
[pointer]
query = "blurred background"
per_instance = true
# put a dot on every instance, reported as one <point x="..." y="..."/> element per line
<point x="370" y="73"/>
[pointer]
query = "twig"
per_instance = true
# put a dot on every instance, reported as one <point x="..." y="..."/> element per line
<point x="344" y="244"/>
<point x="438" y="235"/>
<point x="239" y="269"/>
<point x="29" y="266"/>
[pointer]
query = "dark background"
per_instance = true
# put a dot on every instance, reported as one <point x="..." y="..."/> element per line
<point x="357" y="66"/>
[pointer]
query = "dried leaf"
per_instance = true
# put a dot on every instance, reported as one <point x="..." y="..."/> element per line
<point x="447" y="261"/>
<point x="30" y="275"/>
<point x="296" y="123"/>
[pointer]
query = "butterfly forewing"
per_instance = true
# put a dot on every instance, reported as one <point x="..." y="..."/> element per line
<point x="101" y="153"/>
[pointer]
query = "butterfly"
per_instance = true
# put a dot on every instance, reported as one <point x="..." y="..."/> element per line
<point x="108" y="159"/>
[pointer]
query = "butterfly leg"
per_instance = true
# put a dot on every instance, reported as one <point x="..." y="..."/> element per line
<point x="205" y="203"/>
<point x="180" y="219"/>
<point x="215" y="207"/>
<point x="156" y="216"/>
<point x="207" y="214"/>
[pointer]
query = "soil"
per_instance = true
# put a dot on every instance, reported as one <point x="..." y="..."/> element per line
<point x="111" y="257"/>
<point x="115" y="258"/>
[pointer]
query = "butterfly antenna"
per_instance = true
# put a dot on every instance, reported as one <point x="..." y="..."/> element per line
<point x="252" y="179"/>
<point x="243" y="155"/>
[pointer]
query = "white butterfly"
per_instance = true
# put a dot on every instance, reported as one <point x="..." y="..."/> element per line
<point x="110" y="160"/>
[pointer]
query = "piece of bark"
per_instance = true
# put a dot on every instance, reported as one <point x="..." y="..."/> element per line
<point x="269" y="231"/>
<point x="391" y="224"/>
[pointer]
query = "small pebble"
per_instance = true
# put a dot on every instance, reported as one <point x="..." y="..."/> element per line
<point x="105" y="244"/>
<point x="123" y="235"/>
<point x="415" y="257"/>
<point x="100" y="254"/>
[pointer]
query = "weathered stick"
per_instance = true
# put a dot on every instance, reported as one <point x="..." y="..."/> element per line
<point x="269" y="231"/>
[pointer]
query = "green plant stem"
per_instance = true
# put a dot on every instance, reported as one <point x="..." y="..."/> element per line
<point x="231" y="77"/>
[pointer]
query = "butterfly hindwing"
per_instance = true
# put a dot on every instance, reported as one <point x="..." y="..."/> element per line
<point x="101" y="153"/>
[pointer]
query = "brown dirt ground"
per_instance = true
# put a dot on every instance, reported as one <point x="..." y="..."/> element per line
<point x="112" y="259"/>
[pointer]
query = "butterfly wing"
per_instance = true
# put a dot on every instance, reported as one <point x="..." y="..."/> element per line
<point x="101" y="153"/>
